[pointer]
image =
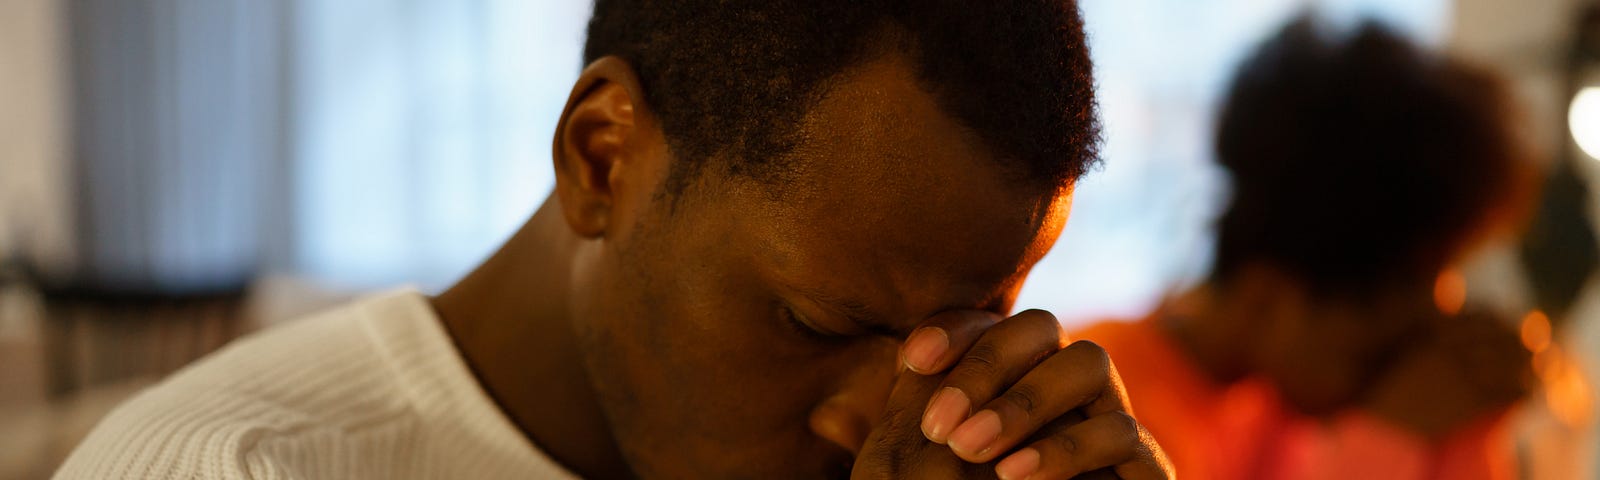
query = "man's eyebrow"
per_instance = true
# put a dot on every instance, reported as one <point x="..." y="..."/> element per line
<point x="856" y="312"/>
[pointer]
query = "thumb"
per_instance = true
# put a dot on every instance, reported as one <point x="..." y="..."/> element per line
<point x="897" y="433"/>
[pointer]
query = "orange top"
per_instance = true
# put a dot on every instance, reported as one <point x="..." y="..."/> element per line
<point x="1245" y="431"/>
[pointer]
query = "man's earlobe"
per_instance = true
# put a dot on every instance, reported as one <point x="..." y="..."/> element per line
<point x="592" y="142"/>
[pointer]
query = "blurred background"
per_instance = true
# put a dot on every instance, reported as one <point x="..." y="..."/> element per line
<point x="174" y="173"/>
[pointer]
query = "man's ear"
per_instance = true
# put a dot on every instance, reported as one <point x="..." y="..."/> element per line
<point x="604" y="129"/>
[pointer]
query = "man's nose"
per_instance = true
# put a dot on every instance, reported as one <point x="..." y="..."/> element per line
<point x="847" y="415"/>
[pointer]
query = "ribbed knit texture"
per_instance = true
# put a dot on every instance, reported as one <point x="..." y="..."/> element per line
<point x="374" y="389"/>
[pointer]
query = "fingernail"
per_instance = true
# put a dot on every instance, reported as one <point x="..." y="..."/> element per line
<point x="946" y="410"/>
<point x="925" y="347"/>
<point x="973" y="437"/>
<point x="1019" y="465"/>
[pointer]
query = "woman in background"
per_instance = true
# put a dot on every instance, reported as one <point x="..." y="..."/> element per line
<point x="1363" y="169"/>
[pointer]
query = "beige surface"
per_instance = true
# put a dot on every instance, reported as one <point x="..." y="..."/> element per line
<point x="38" y="435"/>
<point x="35" y="432"/>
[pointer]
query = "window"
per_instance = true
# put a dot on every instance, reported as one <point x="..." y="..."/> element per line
<point x="423" y="132"/>
<point x="1140" y="226"/>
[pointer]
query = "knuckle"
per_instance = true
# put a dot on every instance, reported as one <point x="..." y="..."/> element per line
<point x="1065" y="445"/>
<point x="1098" y="356"/>
<point x="1089" y="348"/>
<point x="905" y="443"/>
<point x="1026" y="397"/>
<point x="880" y="462"/>
<point x="902" y="427"/>
<point x="982" y="360"/>
<point x="1037" y="323"/>
<point x="1040" y="315"/>
<point x="893" y="414"/>
<point x="894" y="450"/>
<point x="1127" y="427"/>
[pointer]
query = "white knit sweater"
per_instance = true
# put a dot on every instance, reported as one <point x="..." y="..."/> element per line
<point x="374" y="389"/>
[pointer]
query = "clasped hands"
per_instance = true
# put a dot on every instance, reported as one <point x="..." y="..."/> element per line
<point x="978" y="397"/>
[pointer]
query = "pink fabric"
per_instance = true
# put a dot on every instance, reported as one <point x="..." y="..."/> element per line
<point x="1245" y="431"/>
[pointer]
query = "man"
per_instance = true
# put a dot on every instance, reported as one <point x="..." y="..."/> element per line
<point x="781" y="243"/>
<point x="1363" y="168"/>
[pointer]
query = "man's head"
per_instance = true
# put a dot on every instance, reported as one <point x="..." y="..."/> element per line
<point x="1362" y="166"/>
<point x="767" y="195"/>
<point x="730" y="81"/>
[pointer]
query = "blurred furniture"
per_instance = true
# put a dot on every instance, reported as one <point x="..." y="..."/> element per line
<point x="95" y="337"/>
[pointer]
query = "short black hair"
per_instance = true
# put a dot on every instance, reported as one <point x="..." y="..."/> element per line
<point x="1359" y="160"/>
<point x="733" y="78"/>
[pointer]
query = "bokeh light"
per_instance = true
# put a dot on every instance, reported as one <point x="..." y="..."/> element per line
<point x="1536" y="331"/>
<point x="1450" y="291"/>
<point x="1584" y="118"/>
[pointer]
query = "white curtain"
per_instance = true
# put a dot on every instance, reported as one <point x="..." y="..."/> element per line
<point x="174" y="143"/>
<point x="423" y="127"/>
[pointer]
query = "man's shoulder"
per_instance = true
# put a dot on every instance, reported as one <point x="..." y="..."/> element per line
<point x="319" y="379"/>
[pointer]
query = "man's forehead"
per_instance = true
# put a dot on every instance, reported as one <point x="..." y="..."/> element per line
<point x="897" y="204"/>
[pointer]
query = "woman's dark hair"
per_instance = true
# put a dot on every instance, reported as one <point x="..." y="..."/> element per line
<point x="1358" y="161"/>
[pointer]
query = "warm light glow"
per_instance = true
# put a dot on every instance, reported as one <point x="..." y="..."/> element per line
<point x="1585" y="120"/>
<point x="1450" y="291"/>
<point x="1536" y="331"/>
<point x="1566" y="391"/>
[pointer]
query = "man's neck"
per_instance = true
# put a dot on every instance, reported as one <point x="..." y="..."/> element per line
<point x="510" y="320"/>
